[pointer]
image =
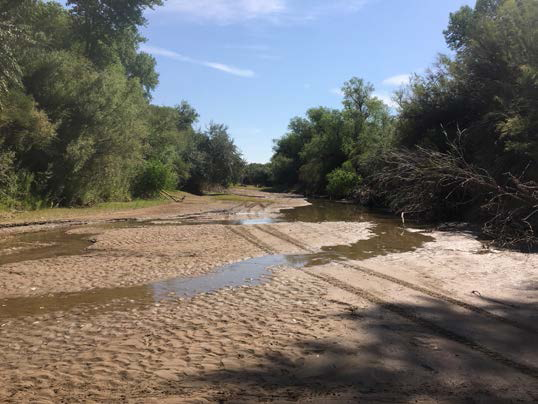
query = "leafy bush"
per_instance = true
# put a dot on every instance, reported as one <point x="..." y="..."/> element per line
<point x="342" y="183"/>
<point x="154" y="177"/>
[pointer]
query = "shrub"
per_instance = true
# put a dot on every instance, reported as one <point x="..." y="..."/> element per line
<point x="342" y="183"/>
<point x="154" y="177"/>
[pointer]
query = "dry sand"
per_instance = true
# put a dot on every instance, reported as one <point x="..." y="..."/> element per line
<point x="447" y="322"/>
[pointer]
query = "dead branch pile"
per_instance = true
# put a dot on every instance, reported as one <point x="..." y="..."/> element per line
<point x="436" y="186"/>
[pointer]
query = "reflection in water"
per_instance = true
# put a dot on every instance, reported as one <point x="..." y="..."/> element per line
<point x="249" y="272"/>
<point x="195" y="221"/>
<point x="388" y="237"/>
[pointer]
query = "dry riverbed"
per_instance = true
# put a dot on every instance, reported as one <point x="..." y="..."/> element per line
<point x="351" y="308"/>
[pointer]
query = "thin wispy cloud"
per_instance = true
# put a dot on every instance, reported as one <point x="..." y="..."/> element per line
<point x="386" y="98"/>
<point x="322" y="8"/>
<point x="337" y="91"/>
<point x="212" y="65"/>
<point x="398" y="80"/>
<point x="225" y="11"/>
<point x="273" y="11"/>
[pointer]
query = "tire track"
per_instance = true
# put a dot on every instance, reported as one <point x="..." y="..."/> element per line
<point x="410" y="315"/>
<point x="251" y="206"/>
<point x="406" y="284"/>
<point x="235" y="208"/>
<point x="284" y="237"/>
<point x="445" y="298"/>
<point x="252" y="239"/>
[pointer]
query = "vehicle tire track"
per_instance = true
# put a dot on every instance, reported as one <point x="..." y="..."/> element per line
<point x="236" y="208"/>
<point x="410" y="315"/>
<point x="406" y="284"/>
<point x="284" y="237"/>
<point x="251" y="206"/>
<point x="443" y="297"/>
<point x="252" y="239"/>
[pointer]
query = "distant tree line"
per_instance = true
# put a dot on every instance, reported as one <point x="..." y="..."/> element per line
<point x="76" y="122"/>
<point x="463" y="144"/>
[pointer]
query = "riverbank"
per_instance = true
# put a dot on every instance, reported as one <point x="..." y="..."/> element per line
<point x="361" y="310"/>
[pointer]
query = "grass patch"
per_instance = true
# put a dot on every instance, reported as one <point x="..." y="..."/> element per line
<point x="67" y="213"/>
<point x="251" y="187"/>
<point x="238" y="198"/>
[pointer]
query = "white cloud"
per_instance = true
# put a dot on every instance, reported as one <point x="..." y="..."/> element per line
<point x="275" y="11"/>
<point x="229" y="69"/>
<point x="182" y="58"/>
<point x="347" y="6"/>
<point x="337" y="91"/>
<point x="399" y="80"/>
<point x="226" y="11"/>
<point x="387" y="99"/>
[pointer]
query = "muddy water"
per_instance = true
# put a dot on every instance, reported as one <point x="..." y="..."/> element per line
<point x="233" y="222"/>
<point x="42" y="244"/>
<point x="58" y="242"/>
<point x="388" y="237"/>
<point x="249" y="272"/>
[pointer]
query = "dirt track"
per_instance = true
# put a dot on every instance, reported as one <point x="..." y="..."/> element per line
<point x="445" y="322"/>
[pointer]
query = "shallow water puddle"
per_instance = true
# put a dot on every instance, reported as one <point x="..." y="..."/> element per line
<point x="250" y="272"/>
<point x="388" y="237"/>
<point x="191" y="222"/>
<point x="42" y="244"/>
<point x="59" y="242"/>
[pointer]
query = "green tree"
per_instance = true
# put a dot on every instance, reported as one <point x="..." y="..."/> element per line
<point x="215" y="159"/>
<point x="489" y="89"/>
<point x="102" y="24"/>
<point x="100" y="126"/>
<point x="257" y="174"/>
<point x="327" y="138"/>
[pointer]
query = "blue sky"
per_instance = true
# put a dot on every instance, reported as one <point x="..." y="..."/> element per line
<point x="255" y="64"/>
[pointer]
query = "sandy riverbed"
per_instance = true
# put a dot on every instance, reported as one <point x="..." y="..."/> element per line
<point x="444" y="322"/>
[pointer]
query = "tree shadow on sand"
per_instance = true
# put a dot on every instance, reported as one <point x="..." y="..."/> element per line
<point x="430" y="351"/>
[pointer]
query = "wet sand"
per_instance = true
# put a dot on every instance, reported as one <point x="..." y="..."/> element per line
<point x="358" y="309"/>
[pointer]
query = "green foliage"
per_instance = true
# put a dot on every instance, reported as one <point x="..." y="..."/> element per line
<point x="490" y="89"/>
<point x="257" y="174"/>
<point x="215" y="160"/>
<point x="468" y="129"/>
<point x="106" y="25"/>
<point x="170" y="139"/>
<point x="16" y="185"/>
<point x="76" y="127"/>
<point x="342" y="183"/>
<point x="154" y="177"/>
<point x="12" y="35"/>
<point x="100" y="126"/>
<point x="321" y="143"/>
<point x="283" y="171"/>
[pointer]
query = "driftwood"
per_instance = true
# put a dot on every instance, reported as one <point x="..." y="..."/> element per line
<point x="434" y="185"/>
<point x="172" y="197"/>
